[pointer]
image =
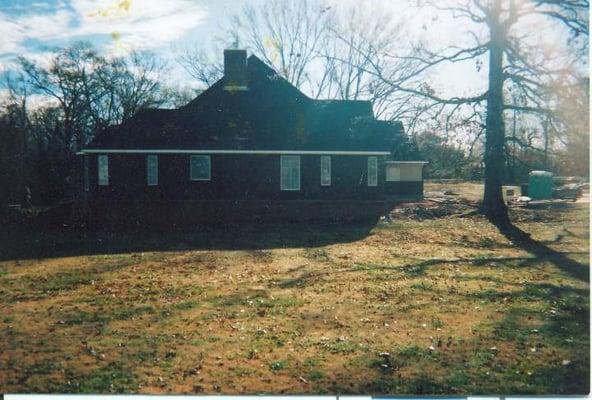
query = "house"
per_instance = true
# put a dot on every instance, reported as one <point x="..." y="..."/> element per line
<point x="254" y="144"/>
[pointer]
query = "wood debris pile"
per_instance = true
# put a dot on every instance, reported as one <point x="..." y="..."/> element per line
<point x="436" y="205"/>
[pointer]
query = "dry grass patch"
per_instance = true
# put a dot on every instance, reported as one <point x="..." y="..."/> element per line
<point x="442" y="306"/>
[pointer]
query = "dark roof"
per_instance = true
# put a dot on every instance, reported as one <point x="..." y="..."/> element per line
<point x="271" y="115"/>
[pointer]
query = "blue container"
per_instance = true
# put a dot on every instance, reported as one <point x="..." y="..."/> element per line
<point x="540" y="185"/>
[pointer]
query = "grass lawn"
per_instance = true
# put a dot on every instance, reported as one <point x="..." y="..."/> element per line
<point x="445" y="305"/>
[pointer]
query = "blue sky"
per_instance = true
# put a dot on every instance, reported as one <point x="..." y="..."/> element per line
<point x="33" y="27"/>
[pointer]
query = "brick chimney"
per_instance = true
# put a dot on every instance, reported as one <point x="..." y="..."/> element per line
<point x="235" y="69"/>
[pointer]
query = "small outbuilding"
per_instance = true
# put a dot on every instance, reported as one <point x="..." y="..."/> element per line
<point x="251" y="144"/>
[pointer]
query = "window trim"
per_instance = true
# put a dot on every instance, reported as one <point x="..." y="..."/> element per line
<point x="326" y="182"/>
<point x="191" y="175"/>
<point x="103" y="178"/>
<point x="374" y="181"/>
<point x="283" y="184"/>
<point x="155" y="173"/>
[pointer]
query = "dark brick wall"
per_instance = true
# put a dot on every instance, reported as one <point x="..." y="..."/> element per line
<point x="114" y="214"/>
<point x="234" y="177"/>
<point x="404" y="190"/>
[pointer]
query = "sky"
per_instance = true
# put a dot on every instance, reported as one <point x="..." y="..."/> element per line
<point x="32" y="28"/>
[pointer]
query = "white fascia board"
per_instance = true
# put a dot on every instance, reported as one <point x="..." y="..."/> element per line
<point x="185" y="151"/>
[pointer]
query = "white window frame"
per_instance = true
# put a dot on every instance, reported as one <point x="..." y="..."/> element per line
<point x="154" y="173"/>
<point x="292" y="163"/>
<point x="191" y="172"/>
<point x="372" y="171"/>
<point x="325" y="167"/>
<point x="103" y="170"/>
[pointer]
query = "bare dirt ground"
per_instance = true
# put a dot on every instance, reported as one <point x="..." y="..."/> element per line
<point x="424" y="302"/>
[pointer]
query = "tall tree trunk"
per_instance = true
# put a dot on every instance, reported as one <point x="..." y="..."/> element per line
<point x="512" y="152"/>
<point x="22" y="138"/>
<point x="546" y="150"/>
<point x="493" y="204"/>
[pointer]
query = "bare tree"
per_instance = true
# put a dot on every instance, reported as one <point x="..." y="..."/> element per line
<point x="93" y="92"/>
<point x="66" y="80"/>
<point x="205" y="69"/>
<point x="88" y="92"/>
<point x="514" y="59"/>
<point x="15" y="126"/>
<point x="369" y="39"/>
<point x="126" y="85"/>
<point x="318" y="48"/>
<point x="357" y="35"/>
<point x="572" y="116"/>
<point x="288" y="35"/>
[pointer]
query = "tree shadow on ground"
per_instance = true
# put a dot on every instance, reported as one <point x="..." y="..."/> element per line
<point x="25" y="243"/>
<point x="419" y="268"/>
<point x="541" y="251"/>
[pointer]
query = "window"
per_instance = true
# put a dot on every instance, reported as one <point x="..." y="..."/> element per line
<point x="103" y="170"/>
<point x="85" y="177"/>
<point x="325" y="171"/>
<point x="290" y="172"/>
<point x="201" y="169"/>
<point x="372" y="171"/>
<point x="152" y="170"/>
<point x="393" y="173"/>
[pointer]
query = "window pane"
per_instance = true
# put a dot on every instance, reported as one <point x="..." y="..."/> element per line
<point x="290" y="172"/>
<point x="393" y="173"/>
<point x="103" y="170"/>
<point x="325" y="171"/>
<point x="372" y="171"/>
<point x="200" y="168"/>
<point x="152" y="170"/>
<point x="296" y="174"/>
<point x="285" y="173"/>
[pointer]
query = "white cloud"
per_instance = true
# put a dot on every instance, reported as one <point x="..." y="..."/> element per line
<point x="46" y="26"/>
<point x="132" y="24"/>
<point x="139" y="23"/>
<point x="34" y="101"/>
<point x="41" y="58"/>
<point x="11" y="34"/>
